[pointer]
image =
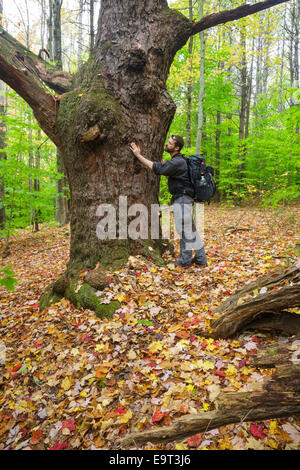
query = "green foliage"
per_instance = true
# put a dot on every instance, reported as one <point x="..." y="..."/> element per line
<point x="262" y="168"/>
<point x="28" y="169"/>
<point x="7" y="278"/>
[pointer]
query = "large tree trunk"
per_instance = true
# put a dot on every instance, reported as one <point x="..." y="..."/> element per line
<point x="117" y="97"/>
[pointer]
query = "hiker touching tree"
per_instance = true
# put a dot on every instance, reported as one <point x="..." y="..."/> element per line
<point x="182" y="191"/>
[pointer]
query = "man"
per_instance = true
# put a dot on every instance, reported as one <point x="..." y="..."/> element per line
<point x="182" y="192"/>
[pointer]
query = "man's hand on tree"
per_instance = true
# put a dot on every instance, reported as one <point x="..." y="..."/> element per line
<point x="135" y="149"/>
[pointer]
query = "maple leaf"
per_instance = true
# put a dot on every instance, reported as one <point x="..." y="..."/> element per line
<point x="68" y="424"/>
<point x="157" y="417"/>
<point x="66" y="383"/>
<point x="36" y="436"/>
<point x="155" y="346"/>
<point x="194" y="441"/>
<point x="126" y="417"/>
<point x="120" y="411"/>
<point x="257" y="431"/>
<point x="58" y="445"/>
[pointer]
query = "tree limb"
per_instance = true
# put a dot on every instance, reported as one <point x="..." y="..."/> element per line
<point x="25" y="73"/>
<point x="230" y="15"/>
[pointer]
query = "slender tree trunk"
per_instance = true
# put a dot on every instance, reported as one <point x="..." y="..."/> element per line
<point x="217" y="197"/>
<point x="281" y="107"/>
<point x="243" y="104"/>
<point x="62" y="215"/>
<point x="57" y="52"/>
<point x="80" y="34"/>
<point x="189" y="87"/>
<point x="2" y="135"/>
<point x="201" y="83"/>
<point x="50" y="29"/>
<point x="249" y="94"/>
<point x="92" y="30"/>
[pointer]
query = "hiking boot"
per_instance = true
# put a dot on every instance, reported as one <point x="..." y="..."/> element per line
<point x="199" y="263"/>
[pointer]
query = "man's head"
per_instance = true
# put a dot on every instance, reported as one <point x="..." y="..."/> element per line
<point x="174" y="144"/>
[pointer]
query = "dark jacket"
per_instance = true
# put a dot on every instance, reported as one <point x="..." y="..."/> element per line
<point x="177" y="171"/>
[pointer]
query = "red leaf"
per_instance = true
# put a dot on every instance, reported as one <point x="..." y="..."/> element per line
<point x="220" y="373"/>
<point x="159" y="416"/>
<point x="152" y="364"/>
<point x="14" y="369"/>
<point x="195" y="441"/>
<point x="120" y="411"/>
<point x="36" y="436"/>
<point x="257" y="431"/>
<point x="58" y="445"/>
<point x="68" y="423"/>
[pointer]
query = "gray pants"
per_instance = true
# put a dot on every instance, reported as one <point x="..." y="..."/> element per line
<point x="189" y="237"/>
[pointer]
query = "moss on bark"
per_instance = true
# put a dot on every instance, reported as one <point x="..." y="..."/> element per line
<point x="49" y="297"/>
<point x="84" y="297"/>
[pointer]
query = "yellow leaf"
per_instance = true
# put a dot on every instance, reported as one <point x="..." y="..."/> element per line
<point x="190" y="388"/>
<point x="155" y="346"/>
<point x="255" y="292"/>
<point x="207" y="365"/>
<point x="246" y="371"/>
<point x="231" y="371"/>
<point x="205" y="406"/>
<point x="180" y="446"/>
<point x="66" y="383"/>
<point x="272" y="443"/>
<point x="174" y="328"/>
<point x="273" y="427"/>
<point x="225" y="444"/>
<point x="126" y="417"/>
<point x="120" y="297"/>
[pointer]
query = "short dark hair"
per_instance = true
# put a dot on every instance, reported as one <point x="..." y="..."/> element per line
<point x="179" y="142"/>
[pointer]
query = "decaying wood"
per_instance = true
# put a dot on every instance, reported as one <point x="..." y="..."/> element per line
<point x="263" y="311"/>
<point x="277" y="354"/>
<point x="276" y="278"/>
<point x="277" y="397"/>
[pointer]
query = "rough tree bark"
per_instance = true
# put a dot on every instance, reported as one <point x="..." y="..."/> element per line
<point x="118" y="96"/>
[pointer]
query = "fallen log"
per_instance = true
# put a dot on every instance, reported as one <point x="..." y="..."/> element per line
<point x="276" y="398"/>
<point x="276" y="278"/>
<point x="267" y="310"/>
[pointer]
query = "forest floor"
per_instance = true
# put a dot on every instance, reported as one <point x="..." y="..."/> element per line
<point x="73" y="381"/>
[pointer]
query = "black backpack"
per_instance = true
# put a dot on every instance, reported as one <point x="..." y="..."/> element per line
<point x="201" y="177"/>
